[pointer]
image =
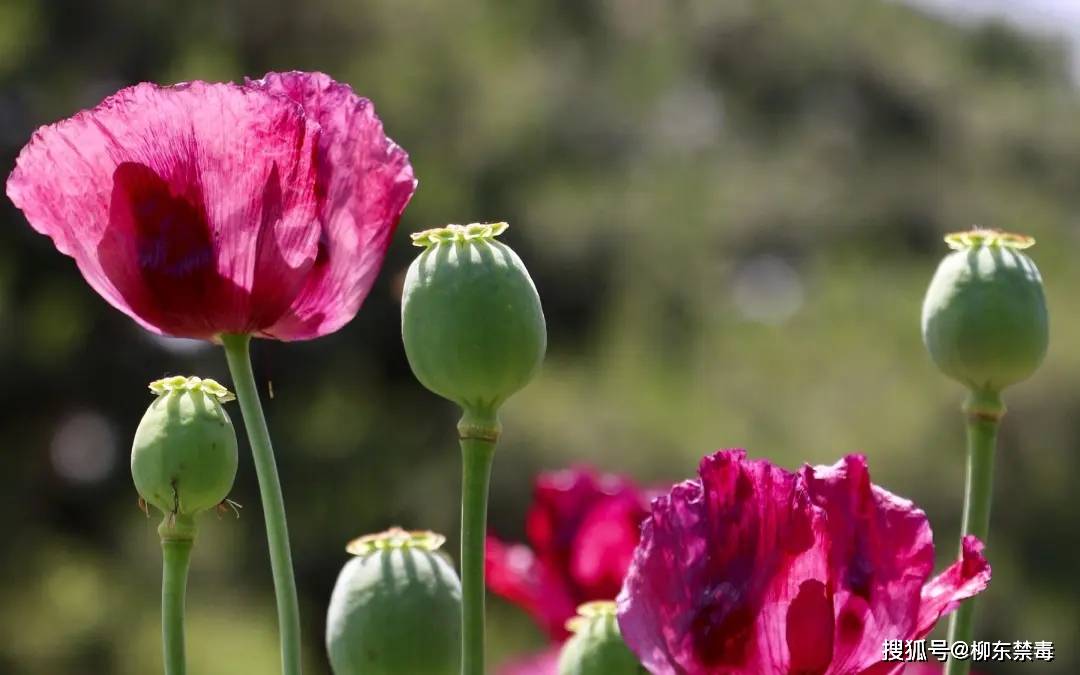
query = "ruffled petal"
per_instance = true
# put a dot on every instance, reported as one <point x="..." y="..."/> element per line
<point x="514" y="572"/>
<point x="582" y="527"/>
<point x="604" y="545"/>
<point x="752" y="569"/>
<point x="364" y="181"/>
<point x="964" y="579"/>
<point x="730" y="575"/>
<point x="190" y="208"/>
<point x="645" y="602"/>
<point x="893" y="668"/>
<point x="880" y="554"/>
<point x="931" y="667"/>
<point x="561" y="519"/>
<point x="917" y="668"/>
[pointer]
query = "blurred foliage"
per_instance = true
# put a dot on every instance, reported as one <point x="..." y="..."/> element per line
<point x="731" y="210"/>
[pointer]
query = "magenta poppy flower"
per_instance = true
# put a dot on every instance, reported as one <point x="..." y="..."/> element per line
<point x="931" y="667"/>
<point x="200" y="209"/>
<point x="754" y="569"/>
<point x="582" y="529"/>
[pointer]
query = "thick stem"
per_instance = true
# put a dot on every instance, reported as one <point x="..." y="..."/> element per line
<point x="983" y="411"/>
<point x="237" y="351"/>
<point x="177" y="537"/>
<point x="478" y="436"/>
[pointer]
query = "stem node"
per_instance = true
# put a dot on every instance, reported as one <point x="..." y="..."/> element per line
<point x="177" y="538"/>
<point x="983" y="410"/>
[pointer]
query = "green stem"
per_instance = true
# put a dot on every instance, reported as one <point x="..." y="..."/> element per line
<point x="983" y="411"/>
<point x="237" y="351"/>
<point x="177" y="538"/>
<point x="478" y="437"/>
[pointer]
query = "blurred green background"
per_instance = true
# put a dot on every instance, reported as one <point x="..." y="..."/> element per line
<point x="731" y="210"/>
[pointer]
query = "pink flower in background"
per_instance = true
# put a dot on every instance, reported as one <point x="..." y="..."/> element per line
<point x="754" y="569"/>
<point x="201" y="209"/>
<point x="582" y="528"/>
<point x="541" y="663"/>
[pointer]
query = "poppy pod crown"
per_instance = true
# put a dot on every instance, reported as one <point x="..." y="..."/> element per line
<point x="184" y="456"/>
<point x="471" y="319"/>
<point x="984" y="318"/>
<point x="396" y="588"/>
<point x="209" y="208"/>
<point x="596" y="648"/>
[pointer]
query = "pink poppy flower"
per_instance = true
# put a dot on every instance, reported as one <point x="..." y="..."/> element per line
<point x="200" y="209"/>
<point x="541" y="663"/>
<point x="754" y="569"/>
<point x="582" y="529"/>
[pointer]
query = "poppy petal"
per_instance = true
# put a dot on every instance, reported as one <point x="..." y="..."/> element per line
<point x="753" y="569"/>
<point x="582" y="527"/>
<point x="515" y="573"/>
<point x="542" y="663"/>
<point x="881" y="552"/>
<point x="725" y="563"/>
<point x="364" y="183"/>
<point x="964" y="579"/>
<point x="190" y="208"/>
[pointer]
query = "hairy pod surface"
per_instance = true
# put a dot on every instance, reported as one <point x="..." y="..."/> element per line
<point x="184" y="456"/>
<point x="471" y="318"/>
<point x="396" y="608"/>
<point x="596" y="646"/>
<point x="984" y="318"/>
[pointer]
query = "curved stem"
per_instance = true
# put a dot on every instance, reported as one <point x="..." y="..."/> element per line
<point x="984" y="411"/>
<point x="237" y="351"/>
<point x="478" y="437"/>
<point x="177" y="539"/>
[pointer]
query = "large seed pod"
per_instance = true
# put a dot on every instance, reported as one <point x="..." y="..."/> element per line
<point x="184" y="456"/>
<point x="471" y="319"/>
<point x="596" y="646"/>
<point x="396" y="608"/>
<point x="984" y="319"/>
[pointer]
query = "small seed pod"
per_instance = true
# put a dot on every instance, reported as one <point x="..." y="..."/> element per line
<point x="596" y="646"/>
<point x="984" y="318"/>
<point x="396" y="608"/>
<point x="184" y="456"/>
<point x="471" y="319"/>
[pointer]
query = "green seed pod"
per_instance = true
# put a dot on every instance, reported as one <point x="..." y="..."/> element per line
<point x="396" y="608"/>
<point x="184" y="456"/>
<point x="596" y="646"/>
<point x="471" y="319"/>
<point x="984" y="318"/>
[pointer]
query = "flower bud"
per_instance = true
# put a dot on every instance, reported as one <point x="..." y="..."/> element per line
<point x="396" y="608"/>
<point x="184" y="456"/>
<point x="471" y="319"/>
<point x="596" y="646"/>
<point x="984" y="318"/>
